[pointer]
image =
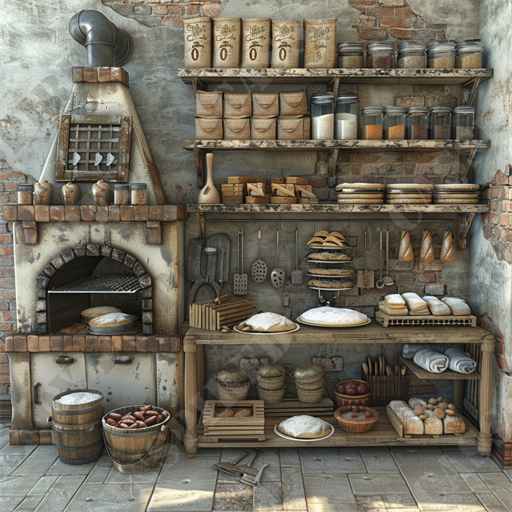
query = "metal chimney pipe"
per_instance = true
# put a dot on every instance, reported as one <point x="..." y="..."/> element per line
<point x="106" y="44"/>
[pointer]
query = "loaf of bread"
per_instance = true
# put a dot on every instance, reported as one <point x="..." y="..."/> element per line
<point x="304" y="427"/>
<point x="392" y="311"/>
<point x="454" y="424"/>
<point x="414" y="302"/>
<point x="405" y="252"/>
<point x="447" y="250"/>
<point x="427" y="246"/>
<point x="433" y="425"/>
<point x="92" y="313"/>
<point x="412" y="424"/>
<point x="414" y="402"/>
<point x="458" y="307"/>
<point x="395" y="300"/>
<point x="436" y="306"/>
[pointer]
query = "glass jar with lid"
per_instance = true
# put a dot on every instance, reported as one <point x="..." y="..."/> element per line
<point x="441" y="54"/>
<point x="371" y="123"/>
<point x="412" y="54"/>
<point x="346" y="117"/>
<point x="441" y="123"/>
<point x="322" y="116"/>
<point x="463" y="123"/>
<point x="25" y="194"/>
<point x="418" y="123"/>
<point x="380" y="54"/>
<point x="121" y="193"/>
<point x="469" y="54"/>
<point x="350" y="55"/>
<point x="395" y="122"/>
<point x="138" y="193"/>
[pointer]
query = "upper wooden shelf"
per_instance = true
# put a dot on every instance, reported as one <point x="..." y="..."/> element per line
<point x="302" y="75"/>
<point x="358" y="145"/>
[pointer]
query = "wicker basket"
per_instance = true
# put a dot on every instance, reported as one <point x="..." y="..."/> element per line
<point x="309" y="380"/>
<point x="271" y="383"/>
<point x="311" y="396"/>
<point x="351" y="400"/>
<point x="353" y="425"/>
<point x="310" y="386"/>
<point x="271" y="396"/>
<point x="230" y="393"/>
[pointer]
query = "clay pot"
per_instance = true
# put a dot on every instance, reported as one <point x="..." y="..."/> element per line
<point x="209" y="194"/>
<point x="43" y="193"/>
<point x="70" y="193"/>
<point x="101" y="193"/>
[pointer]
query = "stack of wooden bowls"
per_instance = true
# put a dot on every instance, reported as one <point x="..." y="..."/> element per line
<point x="456" y="193"/>
<point x="232" y="383"/>
<point x="409" y="193"/>
<point x="360" y="193"/>
<point x="271" y="382"/>
<point x="310" y="383"/>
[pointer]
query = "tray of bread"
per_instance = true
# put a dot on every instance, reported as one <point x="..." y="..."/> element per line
<point x="304" y="428"/>
<point x="330" y="273"/>
<point x="331" y="240"/>
<point x="330" y="317"/>
<point x="317" y="284"/>
<point x="328" y="257"/>
<point x="267" y="323"/>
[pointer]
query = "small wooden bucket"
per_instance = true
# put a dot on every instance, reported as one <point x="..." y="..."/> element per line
<point x="77" y="428"/>
<point x="256" y="38"/>
<point x="285" y="44"/>
<point x="226" y="42"/>
<point x="138" y="449"/>
<point x="198" y="42"/>
<point x="320" y="43"/>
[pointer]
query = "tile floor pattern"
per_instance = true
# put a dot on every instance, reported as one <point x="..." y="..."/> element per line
<point x="398" y="479"/>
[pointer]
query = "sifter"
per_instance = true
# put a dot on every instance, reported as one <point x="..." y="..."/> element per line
<point x="259" y="267"/>
<point x="277" y="277"/>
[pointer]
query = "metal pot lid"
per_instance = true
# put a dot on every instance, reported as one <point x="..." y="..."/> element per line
<point x="271" y="369"/>
<point x="463" y="110"/>
<point x="348" y="46"/>
<point x="470" y="47"/>
<point x="232" y="374"/>
<point x="362" y="186"/>
<point x="409" y="191"/>
<point x="418" y="110"/>
<point x="410" y="186"/>
<point x="307" y="370"/>
<point x="392" y="109"/>
<point x="379" y="46"/>
<point x="441" y="110"/>
<point x="347" y="97"/>
<point x="457" y="186"/>
<point x="373" y="110"/>
<point x="441" y="46"/>
<point x="412" y="46"/>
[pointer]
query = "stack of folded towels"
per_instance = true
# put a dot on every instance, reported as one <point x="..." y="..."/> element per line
<point x="412" y="304"/>
<point x="438" y="357"/>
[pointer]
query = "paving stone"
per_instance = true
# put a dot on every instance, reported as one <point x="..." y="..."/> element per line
<point x="21" y="449"/>
<point x="373" y="484"/>
<point x="331" y="460"/>
<point x="490" y="502"/>
<point x="39" y="461"/>
<point x="289" y="457"/>
<point x="100" y="471"/>
<point x="400" y="502"/>
<point x="370" y="504"/>
<point x="327" y="493"/>
<point x="273" y="472"/>
<point x="43" y="486"/>
<point x="9" y="503"/>
<point x="474" y="482"/>
<point x="351" y="460"/>
<point x="195" y="469"/>
<point x="16" y="486"/>
<point x="182" y="494"/>
<point x="4" y="435"/>
<point x="450" y="502"/>
<point x="294" y="497"/>
<point x="230" y="455"/>
<point x="116" y="477"/>
<point x="111" y="497"/>
<point x="500" y="485"/>
<point x="68" y="483"/>
<point x="9" y="463"/>
<point x="378" y="460"/>
<point x="470" y="461"/>
<point x="30" y="503"/>
<point x="60" y="468"/>
<point x="268" y="497"/>
<point x="233" y="497"/>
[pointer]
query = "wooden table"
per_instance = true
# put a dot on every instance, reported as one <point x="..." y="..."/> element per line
<point x="373" y="333"/>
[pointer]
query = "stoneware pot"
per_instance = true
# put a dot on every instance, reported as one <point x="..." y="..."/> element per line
<point x="43" y="193"/>
<point x="209" y="194"/>
<point x="70" y="193"/>
<point x="101" y="193"/>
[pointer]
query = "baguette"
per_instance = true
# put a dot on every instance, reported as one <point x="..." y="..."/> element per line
<point x="447" y="250"/>
<point x="427" y="248"/>
<point x="323" y="234"/>
<point x="334" y="240"/>
<point x="405" y="252"/>
<point x="337" y="234"/>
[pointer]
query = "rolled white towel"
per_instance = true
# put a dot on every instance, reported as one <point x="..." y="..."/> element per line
<point x="409" y="349"/>
<point x="460" y="362"/>
<point x="431" y="360"/>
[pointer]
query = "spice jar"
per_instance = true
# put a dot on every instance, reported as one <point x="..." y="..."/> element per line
<point x="464" y="123"/>
<point x="25" y="194"/>
<point x="347" y="112"/>
<point x="101" y="193"/>
<point x="412" y="54"/>
<point x="380" y="55"/>
<point x="395" y="123"/>
<point x="441" y="123"/>
<point x="121" y="193"/>
<point x="441" y="54"/>
<point x="371" y="123"/>
<point x="70" y="193"/>
<point x="350" y="55"/>
<point x="43" y="193"/>
<point x="138" y="193"/>
<point x="322" y="116"/>
<point x="418" y="123"/>
<point x="469" y="55"/>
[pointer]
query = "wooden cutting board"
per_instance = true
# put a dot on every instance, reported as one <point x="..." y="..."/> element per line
<point x="257" y="199"/>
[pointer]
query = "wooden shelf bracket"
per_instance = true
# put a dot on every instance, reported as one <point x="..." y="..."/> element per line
<point x="467" y="165"/>
<point x="331" y="182"/>
<point x="464" y="225"/>
<point x="199" y="156"/>
<point x="201" y="223"/>
<point x="469" y="92"/>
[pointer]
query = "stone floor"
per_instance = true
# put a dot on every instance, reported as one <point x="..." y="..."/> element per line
<point x="297" y="480"/>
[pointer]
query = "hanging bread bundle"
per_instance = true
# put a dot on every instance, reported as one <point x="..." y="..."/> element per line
<point x="405" y="252"/>
<point x="447" y="250"/>
<point x="427" y="247"/>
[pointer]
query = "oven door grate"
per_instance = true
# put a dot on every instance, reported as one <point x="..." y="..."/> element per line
<point x="102" y="284"/>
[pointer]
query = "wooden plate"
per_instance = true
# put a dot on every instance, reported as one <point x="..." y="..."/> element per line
<point x="361" y="186"/>
<point x="456" y="196"/>
<point x="360" y="196"/>
<point x="410" y="201"/>
<point x="456" y="201"/>
<point x="360" y="201"/>
<point x="410" y="186"/>
<point x="409" y="196"/>
<point x="360" y="191"/>
<point x="457" y="186"/>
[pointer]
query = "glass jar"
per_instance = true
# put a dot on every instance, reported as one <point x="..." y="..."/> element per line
<point x="322" y="116"/>
<point x="412" y="55"/>
<point x="380" y="54"/>
<point x="418" y="123"/>
<point x="441" y="123"/>
<point x="121" y="193"/>
<point x="469" y="54"/>
<point x="395" y="122"/>
<point x="464" y="123"/>
<point x="25" y="194"/>
<point x="346" y="118"/>
<point x="371" y="123"/>
<point x="138" y="193"/>
<point x="350" y="55"/>
<point x="441" y="55"/>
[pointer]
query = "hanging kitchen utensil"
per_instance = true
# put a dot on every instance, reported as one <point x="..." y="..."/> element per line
<point x="240" y="286"/>
<point x="259" y="267"/>
<point x="365" y="278"/>
<point x="229" y="467"/>
<point x="388" y="280"/>
<point x="219" y="241"/>
<point x="296" y="274"/>
<point x="380" y="282"/>
<point x="253" y="480"/>
<point x="278" y="276"/>
<point x="211" y="253"/>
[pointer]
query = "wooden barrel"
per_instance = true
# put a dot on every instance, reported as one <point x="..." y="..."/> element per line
<point x="128" y="448"/>
<point x="77" y="428"/>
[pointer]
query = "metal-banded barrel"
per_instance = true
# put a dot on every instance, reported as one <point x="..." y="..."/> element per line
<point x="77" y="428"/>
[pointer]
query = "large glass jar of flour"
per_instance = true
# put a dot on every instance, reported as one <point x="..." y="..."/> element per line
<point x="346" y="120"/>
<point x="322" y="116"/>
<point x="464" y="123"/>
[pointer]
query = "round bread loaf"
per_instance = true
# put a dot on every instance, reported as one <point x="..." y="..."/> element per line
<point x="270" y="322"/>
<point x="91" y="313"/>
<point x="334" y="317"/>
<point x="306" y="427"/>
<point x="112" y="320"/>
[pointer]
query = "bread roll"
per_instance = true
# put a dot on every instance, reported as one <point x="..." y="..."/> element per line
<point x="457" y="306"/>
<point x="414" y="302"/>
<point x="414" y="402"/>
<point x="392" y="311"/>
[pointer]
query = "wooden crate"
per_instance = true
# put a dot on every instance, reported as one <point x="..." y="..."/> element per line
<point x="422" y="321"/>
<point x="292" y="407"/>
<point x="232" y="189"/>
<point x="212" y="316"/>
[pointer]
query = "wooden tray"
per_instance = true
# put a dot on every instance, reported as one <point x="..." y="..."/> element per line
<point x="422" y="321"/>
<point x="289" y="407"/>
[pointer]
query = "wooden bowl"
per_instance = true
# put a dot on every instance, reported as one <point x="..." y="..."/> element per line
<point x="353" y="425"/>
<point x="351" y="400"/>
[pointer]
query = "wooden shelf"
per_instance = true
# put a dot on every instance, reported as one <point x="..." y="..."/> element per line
<point x="326" y="145"/>
<point x="307" y="76"/>
<point x="447" y="375"/>
<point x="338" y="208"/>
<point x="382" y="434"/>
